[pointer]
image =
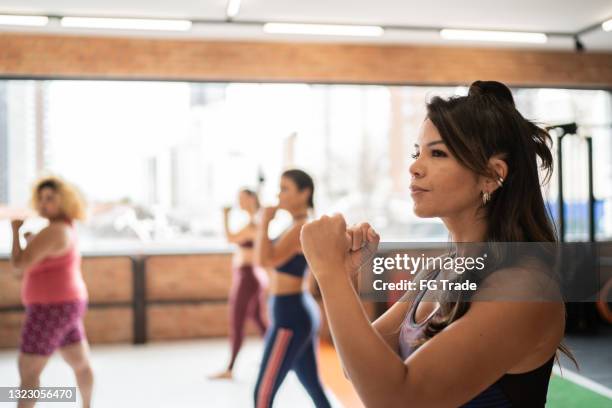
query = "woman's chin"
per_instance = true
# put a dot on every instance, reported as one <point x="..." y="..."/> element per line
<point x="422" y="212"/>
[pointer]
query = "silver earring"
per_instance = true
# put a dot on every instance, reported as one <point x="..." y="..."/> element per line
<point x="486" y="197"/>
<point x="500" y="181"/>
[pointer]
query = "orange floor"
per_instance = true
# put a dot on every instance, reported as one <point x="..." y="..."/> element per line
<point x="333" y="376"/>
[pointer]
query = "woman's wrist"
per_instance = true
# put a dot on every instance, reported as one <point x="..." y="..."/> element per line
<point x="332" y="277"/>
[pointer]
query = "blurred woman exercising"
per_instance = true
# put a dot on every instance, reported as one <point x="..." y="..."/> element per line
<point x="292" y="340"/>
<point x="247" y="290"/>
<point x="53" y="290"/>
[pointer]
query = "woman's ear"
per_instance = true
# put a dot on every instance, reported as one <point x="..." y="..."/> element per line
<point x="500" y="172"/>
<point x="498" y="168"/>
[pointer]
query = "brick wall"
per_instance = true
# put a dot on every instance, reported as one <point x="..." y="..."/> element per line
<point x="33" y="55"/>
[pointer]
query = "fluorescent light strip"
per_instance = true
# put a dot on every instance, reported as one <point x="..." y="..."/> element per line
<point x="233" y="7"/>
<point x="323" y="29"/>
<point x="607" y="25"/>
<point x="496" y="36"/>
<point x="127" y="23"/>
<point x="34" y="21"/>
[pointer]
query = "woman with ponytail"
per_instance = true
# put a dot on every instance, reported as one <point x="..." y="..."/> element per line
<point x="293" y="337"/>
<point x="476" y="168"/>
<point x="247" y="290"/>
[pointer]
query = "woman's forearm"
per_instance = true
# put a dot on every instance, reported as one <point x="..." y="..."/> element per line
<point x="16" y="250"/>
<point x="263" y="244"/>
<point x="377" y="373"/>
<point x="226" y="228"/>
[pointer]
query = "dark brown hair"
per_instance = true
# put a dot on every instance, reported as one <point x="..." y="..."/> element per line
<point x="476" y="127"/>
<point x="303" y="181"/>
<point x="486" y="123"/>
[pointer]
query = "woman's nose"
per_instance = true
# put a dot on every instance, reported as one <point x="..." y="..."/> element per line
<point x="416" y="169"/>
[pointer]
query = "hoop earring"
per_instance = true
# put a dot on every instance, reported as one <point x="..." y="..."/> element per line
<point x="486" y="197"/>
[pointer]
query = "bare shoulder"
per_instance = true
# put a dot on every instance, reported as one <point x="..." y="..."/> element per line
<point x="59" y="232"/>
<point x="529" y="287"/>
<point x="531" y="280"/>
<point x="538" y="321"/>
<point x="522" y="302"/>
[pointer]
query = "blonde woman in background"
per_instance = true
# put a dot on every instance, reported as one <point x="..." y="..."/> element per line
<point x="53" y="291"/>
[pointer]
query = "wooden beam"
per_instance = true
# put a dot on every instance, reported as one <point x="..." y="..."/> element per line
<point x="55" y="56"/>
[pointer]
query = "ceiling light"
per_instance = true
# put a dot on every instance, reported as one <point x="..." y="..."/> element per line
<point x="127" y="23"/>
<point x="607" y="25"/>
<point x="323" y="29"/>
<point x="501" y="36"/>
<point x="6" y="19"/>
<point x="233" y="6"/>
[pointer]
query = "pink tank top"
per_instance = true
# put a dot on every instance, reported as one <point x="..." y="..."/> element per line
<point x="55" y="279"/>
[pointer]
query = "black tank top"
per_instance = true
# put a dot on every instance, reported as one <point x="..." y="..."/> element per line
<point x="527" y="389"/>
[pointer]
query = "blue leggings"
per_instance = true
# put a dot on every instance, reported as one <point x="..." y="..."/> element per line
<point x="291" y="344"/>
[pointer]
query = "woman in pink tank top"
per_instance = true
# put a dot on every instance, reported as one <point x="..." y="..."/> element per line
<point x="53" y="291"/>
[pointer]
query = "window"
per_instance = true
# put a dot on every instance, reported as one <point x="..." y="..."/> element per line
<point x="158" y="160"/>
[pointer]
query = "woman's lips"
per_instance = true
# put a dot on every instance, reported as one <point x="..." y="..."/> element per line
<point x="414" y="190"/>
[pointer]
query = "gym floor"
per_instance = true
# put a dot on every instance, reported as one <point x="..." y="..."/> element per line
<point x="175" y="374"/>
<point x="172" y="374"/>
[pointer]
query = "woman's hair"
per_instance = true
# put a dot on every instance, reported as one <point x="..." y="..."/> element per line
<point x="486" y="123"/>
<point x="252" y="194"/>
<point x="303" y="181"/>
<point x="476" y="127"/>
<point x="72" y="204"/>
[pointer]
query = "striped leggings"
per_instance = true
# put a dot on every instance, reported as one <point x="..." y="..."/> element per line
<point x="291" y="344"/>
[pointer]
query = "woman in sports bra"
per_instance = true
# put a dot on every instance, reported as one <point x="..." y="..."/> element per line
<point x="475" y="168"/>
<point x="53" y="291"/>
<point x="248" y="283"/>
<point x="292" y="340"/>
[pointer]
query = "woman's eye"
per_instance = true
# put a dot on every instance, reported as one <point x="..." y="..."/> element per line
<point x="438" y="153"/>
<point x="414" y="155"/>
